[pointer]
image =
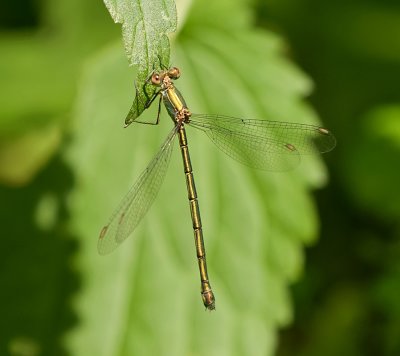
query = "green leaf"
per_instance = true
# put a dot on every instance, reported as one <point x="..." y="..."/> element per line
<point x="144" y="299"/>
<point x="145" y="25"/>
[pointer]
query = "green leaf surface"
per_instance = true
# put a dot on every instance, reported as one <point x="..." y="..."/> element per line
<point x="144" y="299"/>
<point x="145" y="25"/>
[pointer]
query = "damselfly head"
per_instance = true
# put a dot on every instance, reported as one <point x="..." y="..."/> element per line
<point x="157" y="78"/>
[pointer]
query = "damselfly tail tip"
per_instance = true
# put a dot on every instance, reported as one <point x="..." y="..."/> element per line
<point x="208" y="300"/>
<point x="211" y="307"/>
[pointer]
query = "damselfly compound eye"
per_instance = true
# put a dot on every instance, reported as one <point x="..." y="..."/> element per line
<point x="156" y="79"/>
<point x="174" y="73"/>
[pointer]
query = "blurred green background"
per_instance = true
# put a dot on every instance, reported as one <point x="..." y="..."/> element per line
<point x="311" y="272"/>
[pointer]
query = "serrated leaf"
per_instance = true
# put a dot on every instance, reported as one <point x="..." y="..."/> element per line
<point x="146" y="295"/>
<point x="145" y="25"/>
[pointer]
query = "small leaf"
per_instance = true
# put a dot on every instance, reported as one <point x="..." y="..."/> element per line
<point x="145" y="25"/>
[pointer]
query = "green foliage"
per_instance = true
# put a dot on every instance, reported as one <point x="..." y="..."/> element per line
<point x="145" y="25"/>
<point x="39" y="71"/>
<point x="61" y="179"/>
<point x="144" y="299"/>
<point x="347" y="302"/>
<point x="371" y="181"/>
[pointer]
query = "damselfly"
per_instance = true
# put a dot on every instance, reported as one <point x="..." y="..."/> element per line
<point x="268" y="145"/>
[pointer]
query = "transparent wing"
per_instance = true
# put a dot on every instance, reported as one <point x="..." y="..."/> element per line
<point x="137" y="202"/>
<point x="261" y="144"/>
